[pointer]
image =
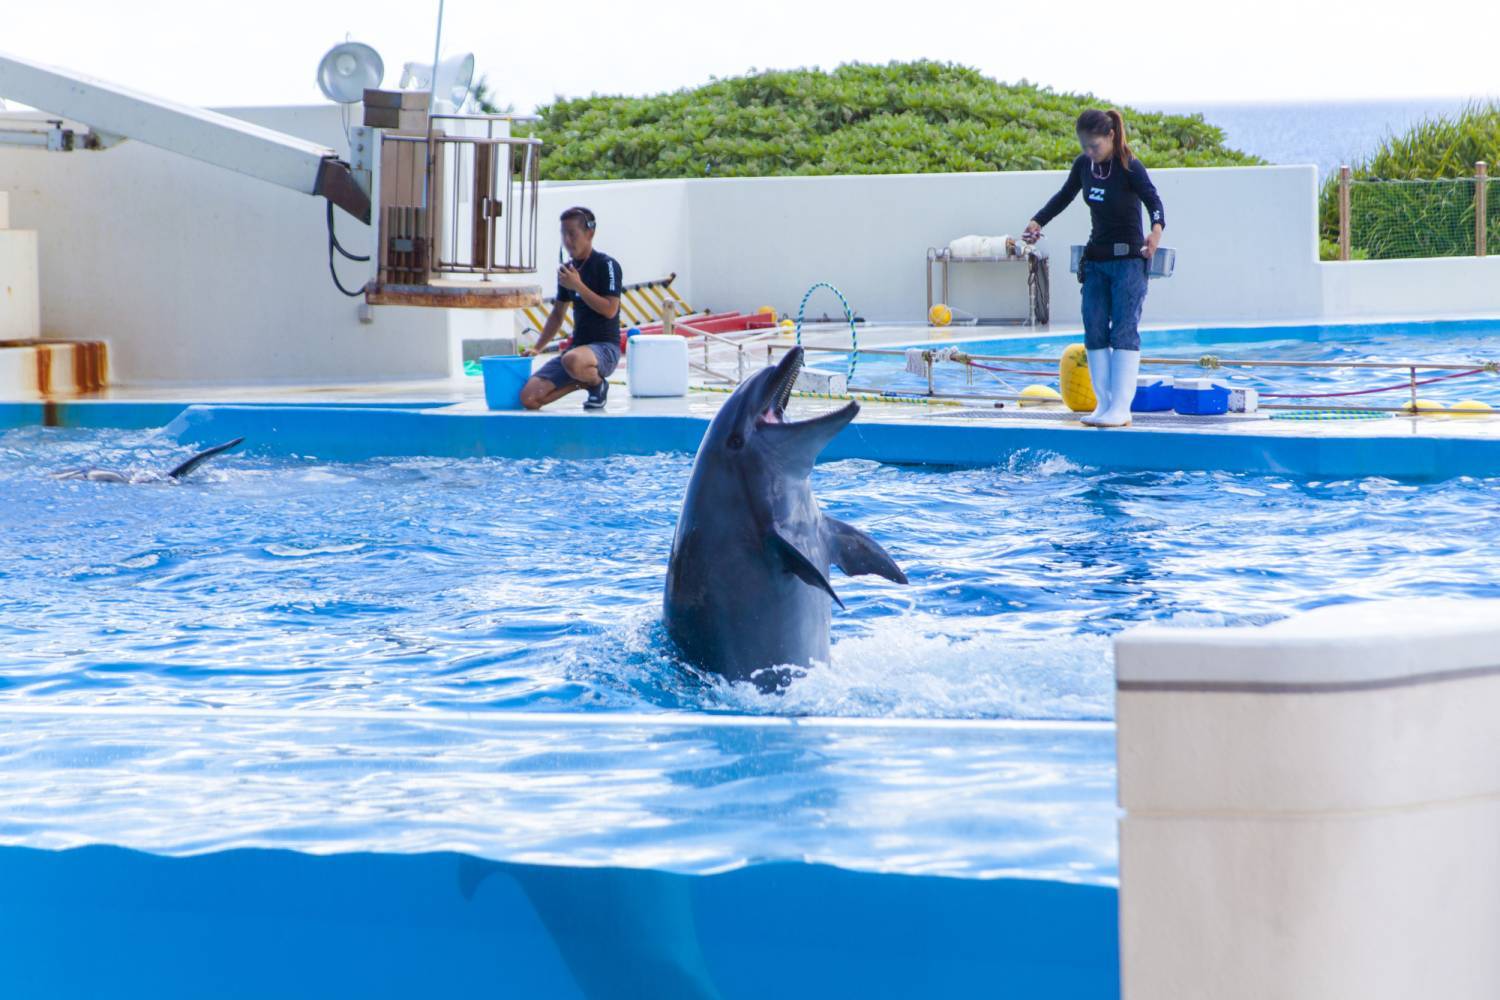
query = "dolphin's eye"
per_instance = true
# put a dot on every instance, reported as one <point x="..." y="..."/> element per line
<point x="736" y="441"/>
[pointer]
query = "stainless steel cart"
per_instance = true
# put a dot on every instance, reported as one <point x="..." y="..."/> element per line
<point x="1038" y="282"/>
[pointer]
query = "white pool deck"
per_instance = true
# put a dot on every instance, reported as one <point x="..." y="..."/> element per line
<point x="465" y="396"/>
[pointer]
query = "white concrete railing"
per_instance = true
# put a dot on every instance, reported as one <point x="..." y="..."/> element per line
<point x="1312" y="808"/>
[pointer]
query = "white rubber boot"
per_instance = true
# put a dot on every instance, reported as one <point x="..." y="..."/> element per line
<point x="1099" y="379"/>
<point x="1124" y="366"/>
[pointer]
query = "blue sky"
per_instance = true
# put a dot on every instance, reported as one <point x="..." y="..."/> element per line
<point x="214" y="53"/>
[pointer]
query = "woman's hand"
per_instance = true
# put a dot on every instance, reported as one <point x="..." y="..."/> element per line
<point x="1032" y="232"/>
<point x="1149" y="250"/>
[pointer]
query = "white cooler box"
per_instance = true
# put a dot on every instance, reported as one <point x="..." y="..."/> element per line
<point x="657" y="365"/>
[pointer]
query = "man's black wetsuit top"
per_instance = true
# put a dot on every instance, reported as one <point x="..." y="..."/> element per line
<point x="1114" y="201"/>
<point x="601" y="275"/>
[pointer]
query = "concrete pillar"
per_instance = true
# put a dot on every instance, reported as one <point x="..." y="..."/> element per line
<point x="1312" y="808"/>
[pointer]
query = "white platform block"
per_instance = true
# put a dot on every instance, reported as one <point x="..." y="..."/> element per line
<point x="657" y="365"/>
<point x="1312" y="808"/>
<point x="20" y="292"/>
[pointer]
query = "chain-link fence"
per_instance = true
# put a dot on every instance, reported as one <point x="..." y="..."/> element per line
<point x="1392" y="219"/>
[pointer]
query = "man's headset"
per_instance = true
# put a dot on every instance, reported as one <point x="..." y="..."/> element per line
<point x="588" y="217"/>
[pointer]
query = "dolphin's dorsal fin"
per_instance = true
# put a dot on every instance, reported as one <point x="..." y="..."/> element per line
<point x="856" y="553"/>
<point x="201" y="457"/>
<point x="797" y="563"/>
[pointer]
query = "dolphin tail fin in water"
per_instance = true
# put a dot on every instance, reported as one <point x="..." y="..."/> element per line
<point x="201" y="457"/>
<point x="797" y="564"/>
<point x="856" y="553"/>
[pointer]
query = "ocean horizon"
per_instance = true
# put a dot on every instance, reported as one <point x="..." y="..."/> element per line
<point x="1324" y="133"/>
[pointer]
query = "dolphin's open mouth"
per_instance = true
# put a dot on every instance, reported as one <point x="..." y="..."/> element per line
<point x="774" y="414"/>
<point x="781" y="392"/>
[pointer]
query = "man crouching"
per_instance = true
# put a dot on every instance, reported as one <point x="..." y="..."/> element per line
<point x="590" y="280"/>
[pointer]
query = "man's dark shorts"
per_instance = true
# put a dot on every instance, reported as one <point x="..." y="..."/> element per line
<point x="554" y="372"/>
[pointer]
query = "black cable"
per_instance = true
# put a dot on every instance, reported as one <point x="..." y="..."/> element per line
<point x="335" y="240"/>
<point x="333" y="244"/>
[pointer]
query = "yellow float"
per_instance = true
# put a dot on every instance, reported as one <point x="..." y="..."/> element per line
<point x="1422" y="407"/>
<point x="1470" y="408"/>
<point x="1036" y="395"/>
<point x="1073" y="376"/>
<point x="767" y="311"/>
<point x="940" y="315"/>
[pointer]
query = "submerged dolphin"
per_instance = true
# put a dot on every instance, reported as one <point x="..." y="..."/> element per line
<point x="747" y="584"/>
<point x="110" y="476"/>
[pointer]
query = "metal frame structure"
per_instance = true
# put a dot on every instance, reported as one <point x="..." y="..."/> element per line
<point x="1037" y="275"/>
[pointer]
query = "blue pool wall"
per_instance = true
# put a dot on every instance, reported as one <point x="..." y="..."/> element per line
<point x="106" y="921"/>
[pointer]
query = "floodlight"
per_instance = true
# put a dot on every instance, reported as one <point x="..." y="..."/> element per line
<point x="454" y="75"/>
<point x="348" y="70"/>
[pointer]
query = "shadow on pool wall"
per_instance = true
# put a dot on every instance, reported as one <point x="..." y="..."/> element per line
<point x="106" y="921"/>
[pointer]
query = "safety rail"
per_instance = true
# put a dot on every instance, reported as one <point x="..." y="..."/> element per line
<point x="1206" y="361"/>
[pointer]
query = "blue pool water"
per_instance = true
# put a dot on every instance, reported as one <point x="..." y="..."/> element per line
<point x="1466" y="343"/>
<point x="414" y="664"/>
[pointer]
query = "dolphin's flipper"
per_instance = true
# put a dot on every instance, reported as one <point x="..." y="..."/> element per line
<point x="796" y="563"/>
<point x="856" y="553"/>
<point x="201" y="457"/>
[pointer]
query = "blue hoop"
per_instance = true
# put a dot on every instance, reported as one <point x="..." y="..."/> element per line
<point x="848" y="314"/>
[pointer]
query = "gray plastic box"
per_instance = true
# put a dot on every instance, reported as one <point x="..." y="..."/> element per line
<point x="1162" y="263"/>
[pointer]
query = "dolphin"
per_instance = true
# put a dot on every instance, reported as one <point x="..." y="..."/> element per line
<point x="747" y="586"/>
<point x="110" y="476"/>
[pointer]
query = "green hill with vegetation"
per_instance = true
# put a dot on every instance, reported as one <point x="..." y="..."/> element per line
<point x="1391" y="217"/>
<point x="917" y="117"/>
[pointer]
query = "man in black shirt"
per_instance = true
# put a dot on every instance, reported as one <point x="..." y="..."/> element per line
<point x="590" y="280"/>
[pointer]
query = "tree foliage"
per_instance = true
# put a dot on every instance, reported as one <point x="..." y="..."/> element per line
<point x="916" y="117"/>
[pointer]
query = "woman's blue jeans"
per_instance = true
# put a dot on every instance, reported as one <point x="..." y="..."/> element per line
<point x="1113" y="293"/>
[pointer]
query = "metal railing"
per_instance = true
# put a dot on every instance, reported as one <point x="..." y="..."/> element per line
<point x="483" y="184"/>
<point x="1206" y="361"/>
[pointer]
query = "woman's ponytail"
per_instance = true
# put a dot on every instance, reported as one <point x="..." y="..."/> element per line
<point x="1122" y="148"/>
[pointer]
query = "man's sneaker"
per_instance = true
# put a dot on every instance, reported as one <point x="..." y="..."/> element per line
<point x="597" y="396"/>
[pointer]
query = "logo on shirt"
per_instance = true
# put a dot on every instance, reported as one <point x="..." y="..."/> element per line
<point x="1096" y="194"/>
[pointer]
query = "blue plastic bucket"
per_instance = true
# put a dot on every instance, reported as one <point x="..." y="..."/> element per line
<point x="504" y="375"/>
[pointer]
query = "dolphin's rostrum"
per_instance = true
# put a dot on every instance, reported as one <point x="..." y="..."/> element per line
<point x="747" y="584"/>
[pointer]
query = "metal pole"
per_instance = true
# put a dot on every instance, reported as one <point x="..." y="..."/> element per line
<point x="437" y="47"/>
<point x="1481" y="208"/>
<point x="1344" y="253"/>
<point x="929" y="373"/>
<point x="1413" y="389"/>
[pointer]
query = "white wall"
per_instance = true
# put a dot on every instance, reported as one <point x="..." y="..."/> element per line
<point x="194" y="273"/>
<point x="1435" y="286"/>
<point x="643" y="224"/>
<point x="20" y="299"/>
<point x="1246" y="238"/>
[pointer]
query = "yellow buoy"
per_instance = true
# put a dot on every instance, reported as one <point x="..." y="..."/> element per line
<point x="787" y="324"/>
<point x="1036" y="395"/>
<point x="1470" y="408"/>
<point x="940" y="315"/>
<point x="767" y="311"/>
<point x="1422" y="407"/>
<point x="1073" y="376"/>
